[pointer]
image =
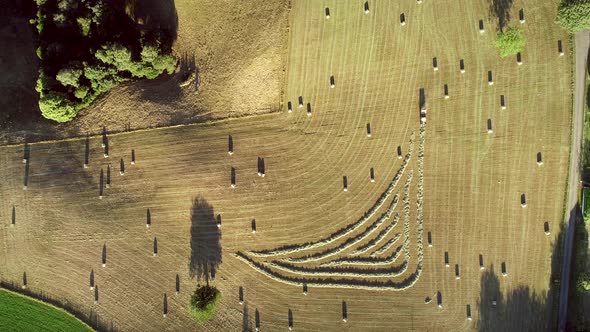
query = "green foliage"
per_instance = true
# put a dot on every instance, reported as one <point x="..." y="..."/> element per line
<point x="84" y="24"/>
<point x="583" y="282"/>
<point x="574" y="15"/>
<point x="203" y="302"/>
<point x="510" y="41"/>
<point x="69" y="76"/>
<point x="586" y="207"/>
<point x="21" y="313"/>
<point x="81" y="92"/>
<point x="39" y="53"/>
<point x="56" y="106"/>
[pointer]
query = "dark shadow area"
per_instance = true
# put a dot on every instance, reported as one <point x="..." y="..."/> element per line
<point x="86" y="151"/>
<point x="230" y="145"/>
<point x="501" y="10"/>
<point x="101" y="184"/>
<point x="165" y="305"/>
<point x="520" y="308"/>
<point x="155" y="247"/>
<point x="13" y="219"/>
<point x="26" y="176"/>
<point x="233" y="177"/>
<point x="205" y="240"/>
<point x="108" y="184"/>
<point x="91" y="318"/>
<point x="158" y="19"/>
<point x="290" y="318"/>
<point x="26" y="152"/>
<point x="19" y="67"/>
<point x="261" y="167"/>
<point x="24" y="280"/>
<point x="104" y="254"/>
<point x="253" y="225"/>
<point x="257" y="319"/>
<point x="345" y="183"/>
<point x="579" y="300"/>
<point x="91" y="279"/>
<point x="177" y="284"/>
<point x="246" y="323"/>
<point x="132" y="157"/>
<point x="462" y="65"/>
<point x="344" y="311"/>
<point x="422" y="98"/>
<point x="241" y="295"/>
<point x="122" y="167"/>
<point x="148" y="221"/>
<point x="96" y="294"/>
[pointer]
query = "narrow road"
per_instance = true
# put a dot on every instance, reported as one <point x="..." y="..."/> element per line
<point x="582" y="44"/>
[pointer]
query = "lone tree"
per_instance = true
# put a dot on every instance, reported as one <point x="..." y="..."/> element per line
<point x="203" y="302"/>
<point x="510" y="42"/>
<point x="574" y="15"/>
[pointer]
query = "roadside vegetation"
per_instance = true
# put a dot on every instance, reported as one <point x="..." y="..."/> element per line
<point x="580" y="278"/>
<point x="21" y="313"/>
<point x="574" y="15"/>
<point x="203" y="302"/>
<point x="88" y="47"/>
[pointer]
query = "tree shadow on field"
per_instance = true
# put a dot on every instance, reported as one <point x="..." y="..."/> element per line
<point x="157" y="19"/>
<point x="521" y="308"/>
<point x="579" y="304"/>
<point x="205" y="240"/>
<point x="501" y="10"/>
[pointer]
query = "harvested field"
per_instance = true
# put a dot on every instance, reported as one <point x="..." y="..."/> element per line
<point x="455" y="180"/>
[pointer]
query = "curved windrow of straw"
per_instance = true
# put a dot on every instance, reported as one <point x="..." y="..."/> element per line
<point x="369" y="245"/>
<point x="329" y="283"/>
<point x="407" y="205"/>
<point x="368" y="261"/>
<point x="351" y="241"/>
<point x="348" y="229"/>
<point x="386" y="246"/>
<point x="386" y="272"/>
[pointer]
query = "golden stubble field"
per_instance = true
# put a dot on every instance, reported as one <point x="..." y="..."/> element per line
<point x="472" y="181"/>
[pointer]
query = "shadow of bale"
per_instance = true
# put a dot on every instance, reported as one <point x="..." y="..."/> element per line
<point x="205" y="240"/>
<point x="501" y="10"/>
<point x="246" y="321"/>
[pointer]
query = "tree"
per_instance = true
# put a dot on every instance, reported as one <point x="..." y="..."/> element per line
<point x="69" y="76"/>
<point x="574" y="15"/>
<point x="203" y="302"/>
<point x="510" y="42"/>
<point x="84" y="23"/>
<point x="55" y="106"/>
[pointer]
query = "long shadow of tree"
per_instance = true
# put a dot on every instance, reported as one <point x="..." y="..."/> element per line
<point x="205" y="240"/>
<point x="579" y="302"/>
<point x="501" y="10"/>
<point x="521" y="309"/>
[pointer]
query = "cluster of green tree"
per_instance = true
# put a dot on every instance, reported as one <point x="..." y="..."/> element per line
<point x="87" y="47"/>
<point x="574" y="15"/>
<point x="203" y="302"/>
<point x="510" y="41"/>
